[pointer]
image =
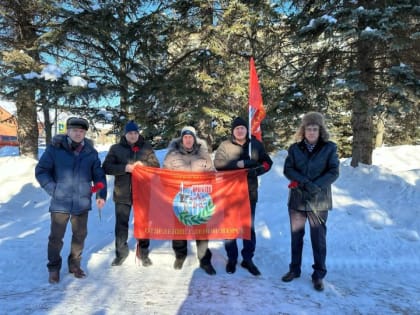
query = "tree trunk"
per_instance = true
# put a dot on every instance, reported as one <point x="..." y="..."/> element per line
<point x="27" y="123"/>
<point x="362" y="126"/>
<point x="47" y="125"/>
<point x="362" y="105"/>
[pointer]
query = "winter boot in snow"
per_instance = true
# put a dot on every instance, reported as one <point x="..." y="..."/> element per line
<point x="231" y="266"/>
<point x="249" y="265"/>
<point x="77" y="272"/>
<point x="208" y="268"/>
<point x="179" y="261"/>
<point x="143" y="255"/>
<point x="54" y="277"/>
<point x="118" y="261"/>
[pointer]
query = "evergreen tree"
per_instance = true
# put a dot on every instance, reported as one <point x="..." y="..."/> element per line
<point x="22" y="24"/>
<point x="118" y="45"/>
<point x="209" y="47"/>
<point x="362" y="50"/>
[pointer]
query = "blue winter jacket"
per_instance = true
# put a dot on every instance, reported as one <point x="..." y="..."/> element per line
<point x="68" y="177"/>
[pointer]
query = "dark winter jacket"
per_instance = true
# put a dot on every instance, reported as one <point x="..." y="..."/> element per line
<point x="67" y="175"/>
<point x="198" y="160"/>
<point x="315" y="172"/>
<point x="230" y="152"/>
<point x="118" y="157"/>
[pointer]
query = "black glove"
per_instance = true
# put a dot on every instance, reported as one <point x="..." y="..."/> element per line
<point x="260" y="170"/>
<point x="256" y="171"/>
<point x="250" y="163"/>
<point x="312" y="188"/>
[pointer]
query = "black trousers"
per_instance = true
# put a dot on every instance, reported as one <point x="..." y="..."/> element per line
<point x="248" y="248"/>
<point x="55" y="239"/>
<point x="122" y="217"/>
<point x="318" y="230"/>
<point x="203" y="252"/>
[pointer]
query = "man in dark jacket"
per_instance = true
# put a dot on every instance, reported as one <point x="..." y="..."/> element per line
<point x="312" y="165"/>
<point x="234" y="154"/>
<point x="132" y="150"/>
<point x="66" y="171"/>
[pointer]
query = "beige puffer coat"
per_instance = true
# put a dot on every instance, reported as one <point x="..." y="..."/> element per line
<point x="197" y="160"/>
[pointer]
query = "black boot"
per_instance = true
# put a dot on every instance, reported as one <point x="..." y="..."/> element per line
<point x="118" y="261"/>
<point x="289" y="276"/>
<point x="208" y="268"/>
<point x="231" y="267"/>
<point x="179" y="261"/>
<point x="143" y="255"/>
<point x="318" y="284"/>
<point x="145" y="260"/>
<point x="249" y="265"/>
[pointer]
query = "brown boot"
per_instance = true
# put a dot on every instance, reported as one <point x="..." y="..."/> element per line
<point x="54" y="277"/>
<point x="77" y="272"/>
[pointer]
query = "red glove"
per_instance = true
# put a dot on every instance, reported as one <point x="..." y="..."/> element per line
<point x="293" y="184"/>
<point x="97" y="187"/>
<point x="266" y="166"/>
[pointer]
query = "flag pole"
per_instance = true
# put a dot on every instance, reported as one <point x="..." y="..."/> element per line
<point x="249" y="131"/>
<point x="251" y="61"/>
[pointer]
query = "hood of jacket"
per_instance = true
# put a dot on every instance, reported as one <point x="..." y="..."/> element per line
<point x="176" y="145"/>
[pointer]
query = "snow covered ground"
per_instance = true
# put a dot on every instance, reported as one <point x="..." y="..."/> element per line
<point x="373" y="252"/>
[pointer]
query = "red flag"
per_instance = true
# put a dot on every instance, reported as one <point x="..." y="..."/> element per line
<point x="179" y="205"/>
<point x="256" y="107"/>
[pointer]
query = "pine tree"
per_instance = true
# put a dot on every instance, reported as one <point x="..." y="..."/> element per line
<point x="21" y="23"/>
<point x="365" y="51"/>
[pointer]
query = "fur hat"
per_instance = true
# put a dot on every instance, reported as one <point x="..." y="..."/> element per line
<point x="238" y="121"/>
<point x="188" y="130"/>
<point x="313" y="118"/>
<point x="131" y="126"/>
<point x="75" y="122"/>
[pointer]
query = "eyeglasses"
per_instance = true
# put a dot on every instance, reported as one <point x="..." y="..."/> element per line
<point x="312" y="129"/>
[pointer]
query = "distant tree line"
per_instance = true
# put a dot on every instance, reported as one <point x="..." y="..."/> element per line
<point x="170" y="63"/>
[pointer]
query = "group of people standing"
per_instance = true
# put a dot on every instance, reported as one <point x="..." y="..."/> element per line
<point x="70" y="165"/>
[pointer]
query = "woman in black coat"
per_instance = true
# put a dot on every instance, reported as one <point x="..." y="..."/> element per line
<point x="312" y="165"/>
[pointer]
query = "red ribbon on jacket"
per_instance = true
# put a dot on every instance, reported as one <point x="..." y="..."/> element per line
<point x="293" y="184"/>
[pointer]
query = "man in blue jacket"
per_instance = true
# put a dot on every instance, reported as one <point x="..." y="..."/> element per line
<point x="66" y="171"/>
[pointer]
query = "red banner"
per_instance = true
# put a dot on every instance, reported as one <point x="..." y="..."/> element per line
<point x="256" y="109"/>
<point x="179" y="205"/>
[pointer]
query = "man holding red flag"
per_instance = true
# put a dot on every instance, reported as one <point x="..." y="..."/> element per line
<point x="246" y="150"/>
<point x="233" y="154"/>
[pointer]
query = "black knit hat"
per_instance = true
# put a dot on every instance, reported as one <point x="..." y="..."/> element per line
<point x="238" y="121"/>
<point x="75" y="122"/>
